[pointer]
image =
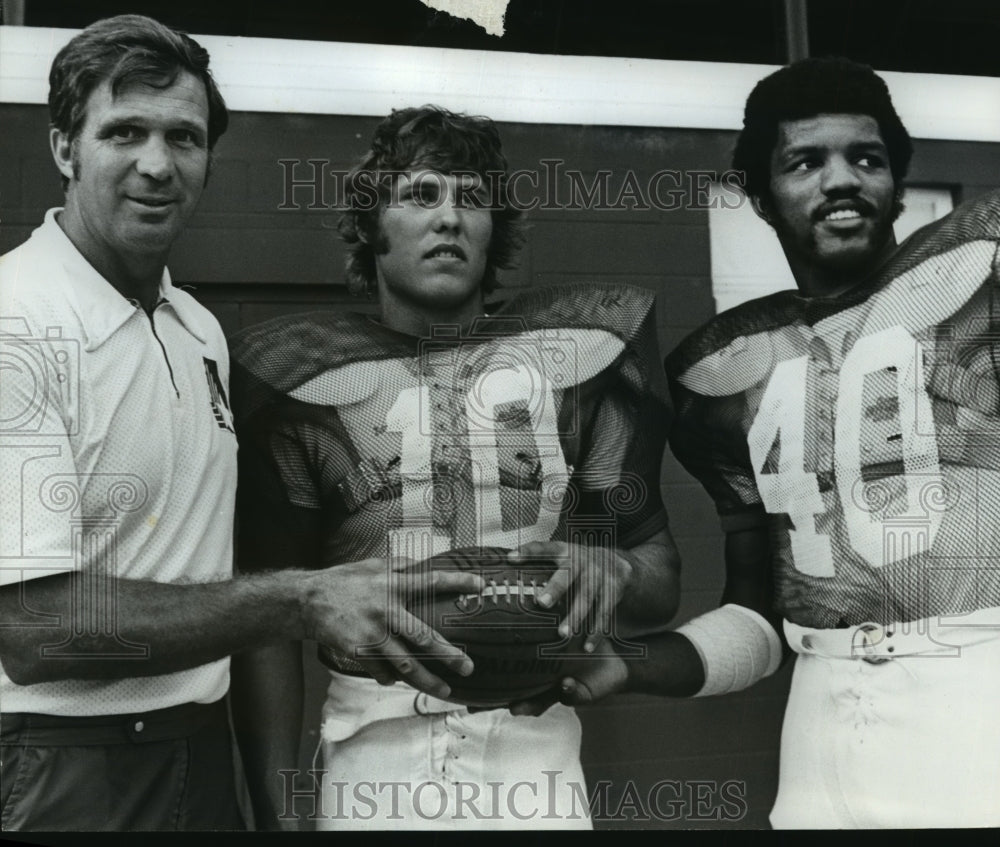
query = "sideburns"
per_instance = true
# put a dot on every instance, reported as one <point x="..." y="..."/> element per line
<point x="897" y="204"/>
<point x="74" y="157"/>
<point x="375" y="238"/>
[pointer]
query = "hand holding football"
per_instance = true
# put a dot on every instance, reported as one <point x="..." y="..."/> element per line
<point x="514" y="643"/>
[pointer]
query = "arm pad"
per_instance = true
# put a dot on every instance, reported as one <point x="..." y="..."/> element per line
<point x="738" y="647"/>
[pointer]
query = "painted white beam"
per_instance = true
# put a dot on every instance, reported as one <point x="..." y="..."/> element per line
<point x="319" y="77"/>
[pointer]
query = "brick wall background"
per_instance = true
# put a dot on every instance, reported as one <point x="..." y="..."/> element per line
<point x="248" y="260"/>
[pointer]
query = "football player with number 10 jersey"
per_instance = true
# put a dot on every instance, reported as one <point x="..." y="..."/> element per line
<point x="433" y="427"/>
<point x="848" y="434"/>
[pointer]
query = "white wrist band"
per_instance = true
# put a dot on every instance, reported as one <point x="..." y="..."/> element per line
<point x="738" y="647"/>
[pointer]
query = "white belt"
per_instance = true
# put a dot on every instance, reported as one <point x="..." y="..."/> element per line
<point x="943" y="635"/>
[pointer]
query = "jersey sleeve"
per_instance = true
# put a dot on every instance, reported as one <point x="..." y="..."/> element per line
<point x="624" y="443"/>
<point x="278" y="503"/>
<point x="38" y="473"/>
<point x="707" y="439"/>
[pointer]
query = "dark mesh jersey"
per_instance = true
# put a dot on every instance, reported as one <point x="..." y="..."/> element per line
<point x="864" y="430"/>
<point x="547" y="422"/>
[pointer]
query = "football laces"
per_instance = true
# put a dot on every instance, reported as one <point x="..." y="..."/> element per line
<point x="502" y="592"/>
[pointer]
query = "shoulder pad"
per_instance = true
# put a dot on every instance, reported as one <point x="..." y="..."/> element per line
<point x="739" y="365"/>
<point x="289" y="351"/>
<point x="565" y="357"/>
<point x="929" y="293"/>
<point x="616" y="308"/>
<point x="736" y="338"/>
<point x="342" y="386"/>
<point x="977" y="220"/>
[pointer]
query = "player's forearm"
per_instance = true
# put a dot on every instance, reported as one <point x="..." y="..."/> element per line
<point x="652" y="593"/>
<point x="267" y="700"/>
<point x="725" y="650"/>
<point x="736" y="647"/>
<point x="671" y="667"/>
<point x="179" y="625"/>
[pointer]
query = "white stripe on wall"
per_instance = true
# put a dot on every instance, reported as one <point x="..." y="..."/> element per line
<point x="319" y="77"/>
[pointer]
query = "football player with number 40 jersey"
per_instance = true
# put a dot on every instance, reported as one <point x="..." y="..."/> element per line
<point x="849" y="434"/>
<point x="433" y="427"/>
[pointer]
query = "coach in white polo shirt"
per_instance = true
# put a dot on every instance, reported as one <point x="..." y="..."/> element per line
<point x="118" y="474"/>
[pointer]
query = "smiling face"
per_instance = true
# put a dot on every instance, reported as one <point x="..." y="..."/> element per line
<point x="434" y="243"/>
<point x="832" y="199"/>
<point x="136" y="171"/>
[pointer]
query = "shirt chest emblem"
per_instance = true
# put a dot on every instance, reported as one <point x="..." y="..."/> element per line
<point x="217" y="396"/>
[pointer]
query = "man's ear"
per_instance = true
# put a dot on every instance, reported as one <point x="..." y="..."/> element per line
<point x="62" y="151"/>
<point x="760" y="208"/>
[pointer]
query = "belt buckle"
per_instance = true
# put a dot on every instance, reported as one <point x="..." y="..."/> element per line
<point x="867" y="645"/>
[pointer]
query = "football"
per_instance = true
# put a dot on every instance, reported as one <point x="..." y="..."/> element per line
<point x="513" y="642"/>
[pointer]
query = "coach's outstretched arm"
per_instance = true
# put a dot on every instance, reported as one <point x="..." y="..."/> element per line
<point x="186" y="625"/>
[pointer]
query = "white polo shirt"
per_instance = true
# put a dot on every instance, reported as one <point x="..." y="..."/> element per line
<point x="117" y="458"/>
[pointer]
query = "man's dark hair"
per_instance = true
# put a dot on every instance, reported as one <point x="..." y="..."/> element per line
<point x="125" y="50"/>
<point x="803" y="90"/>
<point x="431" y="138"/>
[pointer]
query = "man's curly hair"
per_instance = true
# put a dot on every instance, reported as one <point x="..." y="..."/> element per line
<point x="803" y="90"/>
<point x="432" y="138"/>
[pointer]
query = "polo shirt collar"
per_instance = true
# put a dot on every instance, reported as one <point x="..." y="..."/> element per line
<point x="185" y="307"/>
<point x="102" y="309"/>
